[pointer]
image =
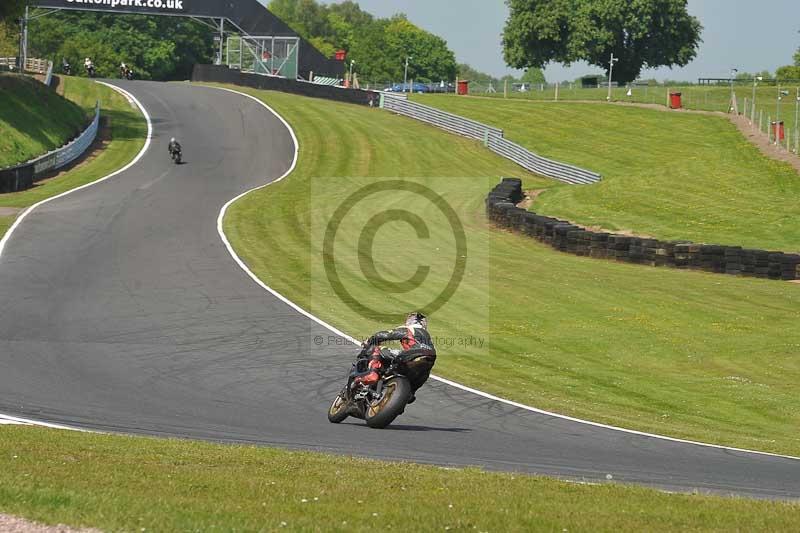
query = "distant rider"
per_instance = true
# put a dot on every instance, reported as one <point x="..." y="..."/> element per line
<point x="415" y="341"/>
<point x="123" y="70"/>
<point x="174" y="147"/>
<point x="89" y="66"/>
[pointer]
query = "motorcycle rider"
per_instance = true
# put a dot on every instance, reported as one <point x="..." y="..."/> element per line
<point x="415" y="342"/>
<point x="123" y="70"/>
<point x="87" y="63"/>
<point x="174" y="147"/>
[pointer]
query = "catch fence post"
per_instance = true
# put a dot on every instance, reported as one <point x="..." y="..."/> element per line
<point x="769" y="128"/>
<point x="486" y="138"/>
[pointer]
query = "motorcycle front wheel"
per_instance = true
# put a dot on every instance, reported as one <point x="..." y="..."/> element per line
<point x="338" y="410"/>
<point x="382" y="411"/>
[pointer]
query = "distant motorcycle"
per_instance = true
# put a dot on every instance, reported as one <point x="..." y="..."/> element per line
<point x="90" y="71"/>
<point x="177" y="156"/>
<point x="66" y="68"/>
<point x="126" y="73"/>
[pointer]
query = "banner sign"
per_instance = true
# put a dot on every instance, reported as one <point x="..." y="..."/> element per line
<point x="203" y="8"/>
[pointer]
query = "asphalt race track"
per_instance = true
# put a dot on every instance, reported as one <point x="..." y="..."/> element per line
<point x="123" y="311"/>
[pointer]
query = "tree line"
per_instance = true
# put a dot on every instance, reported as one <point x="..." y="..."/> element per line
<point x="378" y="46"/>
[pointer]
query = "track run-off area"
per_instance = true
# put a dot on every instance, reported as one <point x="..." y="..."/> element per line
<point x="124" y="311"/>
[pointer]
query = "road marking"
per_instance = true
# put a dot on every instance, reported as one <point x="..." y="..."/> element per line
<point x="445" y="381"/>
<point x="5" y="419"/>
<point x="128" y="96"/>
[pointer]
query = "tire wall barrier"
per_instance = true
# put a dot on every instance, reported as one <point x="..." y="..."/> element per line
<point x="223" y="74"/>
<point x="494" y="140"/>
<point x="22" y="177"/>
<point x="502" y="210"/>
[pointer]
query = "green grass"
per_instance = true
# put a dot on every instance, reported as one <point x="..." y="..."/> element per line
<point x="5" y="223"/>
<point x="138" y="484"/>
<point x="667" y="175"/>
<point x="34" y="119"/>
<point x="705" y="98"/>
<point x="688" y="354"/>
<point x="128" y="130"/>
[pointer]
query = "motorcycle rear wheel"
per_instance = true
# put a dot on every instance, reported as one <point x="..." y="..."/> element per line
<point x="382" y="412"/>
<point x="338" y="411"/>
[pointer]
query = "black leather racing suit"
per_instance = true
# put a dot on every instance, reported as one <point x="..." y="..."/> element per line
<point x="415" y="342"/>
<point x="174" y="147"/>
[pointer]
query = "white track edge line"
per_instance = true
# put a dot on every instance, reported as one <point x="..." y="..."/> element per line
<point x="445" y="381"/>
<point x="130" y="98"/>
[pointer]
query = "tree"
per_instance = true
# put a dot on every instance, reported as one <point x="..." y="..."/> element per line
<point x="11" y="9"/>
<point x="432" y="60"/>
<point x="640" y="33"/>
<point x="378" y="46"/>
<point x="533" y="76"/>
<point x="162" y="48"/>
<point x="790" y="72"/>
<point x="9" y="43"/>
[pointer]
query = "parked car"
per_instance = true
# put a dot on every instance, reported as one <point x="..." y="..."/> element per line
<point x="408" y="87"/>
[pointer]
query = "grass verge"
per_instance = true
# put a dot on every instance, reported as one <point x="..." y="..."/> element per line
<point x="128" y="132"/>
<point x="688" y="354"/>
<point x="34" y="119"/>
<point x="667" y="175"/>
<point x="125" y="483"/>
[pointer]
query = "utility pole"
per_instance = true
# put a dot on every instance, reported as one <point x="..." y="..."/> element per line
<point x="23" y="40"/>
<point x="753" y="103"/>
<point x="796" y="116"/>
<point x="610" y="74"/>
<point x="221" y="39"/>
<point x="733" y="75"/>
<point x="405" y="76"/>
<point x="352" y="62"/>
<point x="781" y="94"/>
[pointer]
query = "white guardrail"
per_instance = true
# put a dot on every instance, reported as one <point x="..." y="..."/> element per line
<point x="493" y="138"/>
<point x="68" y="153"/>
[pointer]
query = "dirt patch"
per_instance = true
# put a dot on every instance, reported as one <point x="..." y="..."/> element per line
<point x="761" y="140"/>
<point x="10" y="211"/>
<point x="12" y="524"/>
<point x="530" y="197"/>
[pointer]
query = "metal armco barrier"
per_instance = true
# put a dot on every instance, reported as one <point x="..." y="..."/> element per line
<point x="502" y="210"/>
<point x="23" y="176"/>
<point x="494" y="139"/>
<point x="540" y="165"/>
<point x="441" y="119"/>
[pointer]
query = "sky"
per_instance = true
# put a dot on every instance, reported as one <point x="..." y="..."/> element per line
<point x="744" y="34"/>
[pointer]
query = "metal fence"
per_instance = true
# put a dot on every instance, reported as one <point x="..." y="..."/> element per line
<point x="540" y="165"/>
<point x="493" y="138"/>
<point x="442" y="119"/>
<point x="67" y="154"/>
<point x="35" y="66"/>
<point x="21" y="177"/>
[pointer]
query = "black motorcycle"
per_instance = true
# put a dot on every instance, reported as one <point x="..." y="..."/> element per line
<point x="177" y="156"/>
<point x="381" y="403"/>
<point x="90" y="71"/>
<point x="66" y="68"/>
